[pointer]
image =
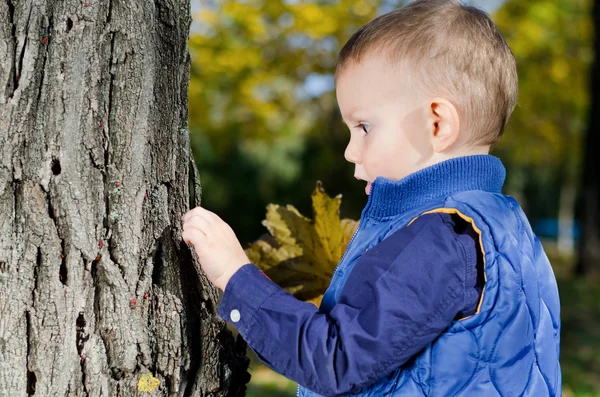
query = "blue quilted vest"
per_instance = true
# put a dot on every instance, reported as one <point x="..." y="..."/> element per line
<point x="510" y="346"/>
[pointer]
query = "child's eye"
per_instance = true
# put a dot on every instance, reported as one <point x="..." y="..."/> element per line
<point x="365" y="127"/>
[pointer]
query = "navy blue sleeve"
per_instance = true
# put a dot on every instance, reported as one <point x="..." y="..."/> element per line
<point x="400" y="296"/>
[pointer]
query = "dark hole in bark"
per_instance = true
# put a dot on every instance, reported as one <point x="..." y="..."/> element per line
<point x="2" y="266"/>
<point x="31" y="381"/>
<point x="168" y="383"/>
<point x="157" y="271"/>
<point x="69" y="24"/>
<point x="50" y="209"/>
<point x="117" y="373"/>
<point x="15" y="72"/>
<point x="63" y="272"/>
<point x="56" y="167"/>
<point x="81" y="337"/>
<point x="236" y="380"/>
<point x="11" y="16"/>
<point x="94" y="268"/>
<point x="80" y="322"/>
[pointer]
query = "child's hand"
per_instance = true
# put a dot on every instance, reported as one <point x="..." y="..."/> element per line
<point x="218" y="249"/>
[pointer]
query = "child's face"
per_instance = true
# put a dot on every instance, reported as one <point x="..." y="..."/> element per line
<point x="386" y="115"/>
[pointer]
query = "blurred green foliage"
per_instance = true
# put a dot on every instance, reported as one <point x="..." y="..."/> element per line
<point x="262" y="111"/>
<point x="265" y="124"/>
<point x="580" y="335"/>
<point x="552" y="43"/>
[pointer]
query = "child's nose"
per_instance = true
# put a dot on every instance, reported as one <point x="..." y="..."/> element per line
<point x="352" y="153"/>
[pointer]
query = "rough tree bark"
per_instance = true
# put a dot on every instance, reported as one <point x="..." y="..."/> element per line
<point x="589" y="247"/>
<point x="96" y="286"/>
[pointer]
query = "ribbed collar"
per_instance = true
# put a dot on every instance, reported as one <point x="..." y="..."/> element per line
<point x="476" y="172"/>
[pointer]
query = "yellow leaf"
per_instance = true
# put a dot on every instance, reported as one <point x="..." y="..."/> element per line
<point x="287" y="225"/>
<point x="349" y="227"/>
<point x="327" y="222"/>
<point x="147" y="383"/>
<point x="301" y="254"/>
<point x="316" y="301"/>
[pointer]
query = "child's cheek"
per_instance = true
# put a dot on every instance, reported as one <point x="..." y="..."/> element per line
<point x="373" y="165"/>
<point x="378" y="158"/>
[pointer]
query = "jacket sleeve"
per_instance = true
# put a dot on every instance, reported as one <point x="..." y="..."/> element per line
<point x="400" y="296"/>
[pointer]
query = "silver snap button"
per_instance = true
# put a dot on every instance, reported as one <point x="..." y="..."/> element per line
<point x="235" y="315"/>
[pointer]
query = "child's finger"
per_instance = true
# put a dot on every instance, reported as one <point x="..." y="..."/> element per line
<point x="202" y="213"/>
<point x="191" y="213"/>
<point x="196" y="233"/>
<point x="211" y="216"/>
<point x="192" y="237"/>
<point x="199" y="222"/>
<point x="184" y="217"/>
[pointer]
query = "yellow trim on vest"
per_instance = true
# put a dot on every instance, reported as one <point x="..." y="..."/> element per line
<point x="470" y="220"/>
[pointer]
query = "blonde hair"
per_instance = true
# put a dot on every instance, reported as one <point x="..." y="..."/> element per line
<point x="459" y="53"/>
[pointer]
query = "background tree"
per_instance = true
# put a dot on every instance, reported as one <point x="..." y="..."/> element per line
<point x="96" y="287"/>
<point x="551" y="41"/>
<point x="589" y="249"/>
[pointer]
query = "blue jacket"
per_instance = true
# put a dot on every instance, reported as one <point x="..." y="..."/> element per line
<point x="509" y="347"/>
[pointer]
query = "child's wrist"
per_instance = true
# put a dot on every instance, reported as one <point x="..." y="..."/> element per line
<point x="222" y="281"/>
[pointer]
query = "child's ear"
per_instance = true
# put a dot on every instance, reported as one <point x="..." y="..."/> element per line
<point x="443" y="124"/>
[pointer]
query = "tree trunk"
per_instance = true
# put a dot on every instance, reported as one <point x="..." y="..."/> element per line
<point x="589" y="247"/>
<point x="566" y="210"/>
<point x="96" y="287"/>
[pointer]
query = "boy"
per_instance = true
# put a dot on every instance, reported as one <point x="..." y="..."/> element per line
<point x="444" y="289"/>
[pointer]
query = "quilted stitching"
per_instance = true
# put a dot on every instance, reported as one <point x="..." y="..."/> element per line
<point x="520" y="291"/>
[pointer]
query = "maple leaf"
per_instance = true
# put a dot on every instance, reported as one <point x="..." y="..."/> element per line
<point x="301" y="254"/>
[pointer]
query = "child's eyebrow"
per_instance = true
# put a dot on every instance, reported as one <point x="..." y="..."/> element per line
<point x="351" y="115"/>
